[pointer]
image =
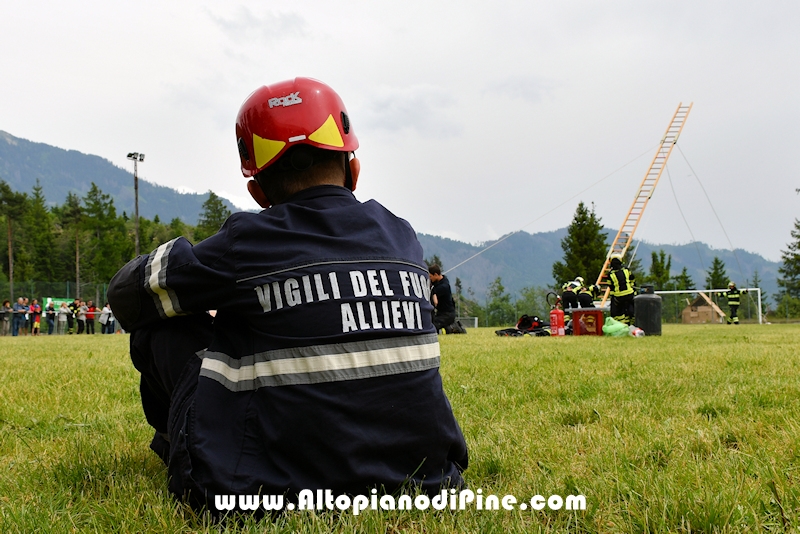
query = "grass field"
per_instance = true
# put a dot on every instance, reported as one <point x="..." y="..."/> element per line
<point x="694" y="431"/>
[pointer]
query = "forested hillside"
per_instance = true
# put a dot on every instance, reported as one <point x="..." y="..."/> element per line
<point x="77" y="226"/>
<point x="61" y="172"/>
<point x="526" y="260"/>
<point x="76" y="247"/>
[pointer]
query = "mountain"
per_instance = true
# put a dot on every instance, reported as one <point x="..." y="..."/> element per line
<point x="525" y="259"/>
<point x="60" y="171"/>
<point x="521" y="260"/>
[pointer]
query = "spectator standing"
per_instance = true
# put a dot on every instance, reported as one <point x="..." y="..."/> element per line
<point x="50" y="313"/>
<point x="107" y="319"/>
<point x="18" y="312"/>
<point x="103" y="319"/>
<point x="112" y="323"/>
<point x="80" y="315"/>
<point x="8" y="314"/>
<point x="24" y="327"/>
<point x="90" y="311"/>
<point x="35" y="313"/>
<point x="64" y="313"/>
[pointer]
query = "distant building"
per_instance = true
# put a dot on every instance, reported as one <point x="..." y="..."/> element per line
<point x="701" y="311"/>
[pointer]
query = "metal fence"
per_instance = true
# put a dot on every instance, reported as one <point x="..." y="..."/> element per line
<point x="468" y="322"/>
<point x="63" y="290"/>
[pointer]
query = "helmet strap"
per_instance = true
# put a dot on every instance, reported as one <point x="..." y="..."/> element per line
<point x="348" y="176"/>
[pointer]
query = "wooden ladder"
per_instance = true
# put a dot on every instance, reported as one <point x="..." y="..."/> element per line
<point x="625" y="235"/>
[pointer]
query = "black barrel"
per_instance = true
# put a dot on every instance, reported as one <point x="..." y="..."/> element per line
<point x="647" y="311"/>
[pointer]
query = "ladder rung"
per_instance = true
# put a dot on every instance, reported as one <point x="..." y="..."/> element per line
<point x="646" y="190"/>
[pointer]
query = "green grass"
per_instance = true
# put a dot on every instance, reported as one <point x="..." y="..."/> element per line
<point x="693" y="431"/>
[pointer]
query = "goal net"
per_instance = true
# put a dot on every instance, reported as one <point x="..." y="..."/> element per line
<point x="707" y="305"/>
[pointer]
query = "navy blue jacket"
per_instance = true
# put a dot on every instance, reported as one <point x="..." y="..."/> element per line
<point x="444" y="296"/>
<point x="323" y="368"/>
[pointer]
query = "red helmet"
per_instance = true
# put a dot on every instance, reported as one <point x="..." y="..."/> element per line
<point x="301" y="111"/>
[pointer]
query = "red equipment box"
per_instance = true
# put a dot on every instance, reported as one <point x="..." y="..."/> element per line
<point x="587" y="322"/>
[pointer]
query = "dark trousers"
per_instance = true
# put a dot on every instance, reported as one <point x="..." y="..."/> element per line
<point x="90" y="326"/>
<point x="160" y="352"/>
<point x="442" y="320"/>
<point x="733" y="318"/>
<point x="16" y="320"/>
<point x="585" y="300"/>
<point x="622" y="308"/>
<point x="81" y="325"/>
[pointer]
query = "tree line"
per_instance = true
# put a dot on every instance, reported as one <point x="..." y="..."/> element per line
<point x="84" y="240"/>
<point x="585" y="249"/>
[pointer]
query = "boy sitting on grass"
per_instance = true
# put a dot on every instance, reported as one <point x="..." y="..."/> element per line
<point x="320" y="368"/>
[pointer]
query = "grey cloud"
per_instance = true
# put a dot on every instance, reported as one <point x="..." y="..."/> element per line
<point x="244" y="25"/>
<point x="422" y="108"/>
<point x="528" y="88"/>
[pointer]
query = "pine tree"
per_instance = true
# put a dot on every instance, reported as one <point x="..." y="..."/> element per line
<point x="434" y="260"/>
<point x="499" y="309"/>
<point x="675" y="302"/>
<point x="470" y="306"/>
<point x="177" y="228"/>
<point x="716" y="278"/>
<point x="212" y="217"/>
<point x="660" y="265"/>
<point x="533" y="301"/>
<point x="108" y="243"/>
<point x="40" y="236"/>
<point x="635" y="267"/>
<point x="790" y="282"/>
<point x="756" y="283"/>
<point x="69" y="238"/>
<point x="12" y="206"/>
<point x="584" y="247"/>
<point x="683" y="280"/>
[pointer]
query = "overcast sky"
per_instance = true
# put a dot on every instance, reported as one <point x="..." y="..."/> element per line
<point x="475" y="118"/>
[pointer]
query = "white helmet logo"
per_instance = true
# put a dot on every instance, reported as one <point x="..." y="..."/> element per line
<point x="289" y="100"/>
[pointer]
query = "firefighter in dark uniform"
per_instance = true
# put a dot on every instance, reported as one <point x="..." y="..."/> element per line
<point x="621" y="290"/>
<point x="442" y="299"/>
<point x="569" y="296"/>
<point x="73" y="306"/>
<point x="319" y="369"/>
<point x="733" y="294"/>
<point x="587" y="295"/>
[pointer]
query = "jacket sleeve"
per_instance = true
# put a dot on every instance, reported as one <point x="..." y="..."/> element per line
<point x="175" y="279"/>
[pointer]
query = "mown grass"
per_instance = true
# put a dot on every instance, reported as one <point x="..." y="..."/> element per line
<point x="693" y="431"/>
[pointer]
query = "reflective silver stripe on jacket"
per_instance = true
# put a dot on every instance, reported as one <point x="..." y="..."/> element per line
<point x="155" y="281"/>
<point x="323" y="363"/>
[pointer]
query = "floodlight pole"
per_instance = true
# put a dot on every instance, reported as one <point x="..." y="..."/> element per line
<point x="136" y="157"/>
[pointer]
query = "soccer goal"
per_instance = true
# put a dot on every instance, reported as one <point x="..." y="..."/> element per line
<point x="702" y="296"/>
<point x="468" y="322"/>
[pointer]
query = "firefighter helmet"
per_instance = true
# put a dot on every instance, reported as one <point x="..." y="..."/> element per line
<point x="731" y="284"/>
<point x="295" y="112"/>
